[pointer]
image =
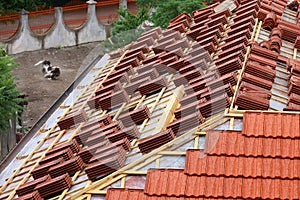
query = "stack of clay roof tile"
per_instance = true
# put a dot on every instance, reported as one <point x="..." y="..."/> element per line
<point x="99" y="136"/>
<point x="148" y="144"/>
<point x="107" y="101"/>
<point x="152" y="86"/>
<point x="105" y="166"/>
<point x="29" y="186"/>
<point x="54" y="185"/>
<point x="107" y="154"/>
<point x="294" y="85"/>
<point x="130" y="133"/>
<point x="83" y="134"/>
<point x="87" y="153"/>
<point x="31" y="196"/>
<point x="72" y="119"/>
<point x="131" y="87"/>
<point x="42" y="170"/>
<point x="289" y="31"/>
<point x="186" y="123"/>
<point x="71" y="167"/>
<point x="135" y="117"/>
<point x="66" y="154"/>
<point x="73" y="145"/>
<point x="256" y="69"/>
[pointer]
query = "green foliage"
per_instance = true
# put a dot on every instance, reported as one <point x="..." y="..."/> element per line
<point x="121" y="39"/>
<point x="166" y="10"/>
<point x="128" y="21"/>
<point x="8" y="93"/>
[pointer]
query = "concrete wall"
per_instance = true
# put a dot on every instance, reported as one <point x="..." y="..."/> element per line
<point x="59" y="35"/>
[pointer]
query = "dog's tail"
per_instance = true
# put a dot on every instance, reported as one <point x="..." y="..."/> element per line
<point x="38" y="63"/>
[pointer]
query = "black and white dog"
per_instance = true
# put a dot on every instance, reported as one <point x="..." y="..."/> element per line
<point x="49" y="71"/>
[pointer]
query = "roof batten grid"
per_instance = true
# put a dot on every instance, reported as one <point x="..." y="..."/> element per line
<point x="38" y="146"/>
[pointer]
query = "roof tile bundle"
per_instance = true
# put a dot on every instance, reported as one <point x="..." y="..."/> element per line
<point x="154" y="35"/>
<point x="155" y="141"/>
<point x="149" y="41"/>
<point x="252" y="101"/>
<point x="66" y="154"/>
<point x="245" y="35"/>
<point x="72" y="119"/>
<point x="153" y="86"/>
<point x="136" y="116"/>
<point x="144" y="49"/>
<point x="112" y="100"/>
<point x="247" y="26"/>
<point x="125" y="143"/>
<point x="229" y="66"/>
<point x="73" y="145"/>
<point x="294" y="98"/>
<point x="228" y="78"/>
<point x="100" y="121"/>
<point x="30" y="185"/>
<point x="242" y="22"/>
<point x="70" y="166"/>
<point x="54" y="185"/>
<point x="112" y="87"/>
<point x="87" y="153"/>
<point x="240" y="47"/>
<point x="233" y="43"/>
<point x="265" y="53"/>
<point x="289" y="31"/>
<point x="99" y="136"/>
<point x="134" y="62"/>
<point x="131" y="87"/>
<point x="294" y="85"/>
<point x="108" y="154"/>
<point x="198" y="85"/>
<point x="185" y="23"/>
<point x="213" y="106"/>
<point x="106" y="166"/>
<point x="251" y="13"/>
<point x="31" y="196"/>
<point x="248" y="87"/>
<point x="238" y="54"/>
<point x="42" y="170"/>
<point x="188" y="109"/>
<point x="122" y="78"/>
<point x="116" y="73"/>
<point x="202" y="54"/>
<point x="292" y="107"/>
<point x="168" y="54"/>
<point x="264" y="72"/>
<point x="186" y="123"/>
<point x="176" y="35"/>
<point x="130" y="133"/>
<point x="160" y="47"/>
<point x="153" y="74"/>
<point x="179" y="27"/>
<point x="257" y="81"/>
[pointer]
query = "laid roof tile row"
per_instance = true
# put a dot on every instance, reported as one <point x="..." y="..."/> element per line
<point x="219" y="171"/>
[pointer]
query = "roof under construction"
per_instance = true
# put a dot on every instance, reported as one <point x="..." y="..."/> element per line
<point x="208" y="108"/>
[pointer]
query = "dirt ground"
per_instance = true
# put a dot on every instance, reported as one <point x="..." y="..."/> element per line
<point x="43" y="92"/>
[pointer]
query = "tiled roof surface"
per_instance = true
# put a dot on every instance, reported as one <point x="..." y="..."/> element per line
<point x="152" y="100"/>
<point x="226" y="168"/>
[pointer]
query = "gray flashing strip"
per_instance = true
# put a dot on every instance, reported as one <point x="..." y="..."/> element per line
<point x="12" y="154"/>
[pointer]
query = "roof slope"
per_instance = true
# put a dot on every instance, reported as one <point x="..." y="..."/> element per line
<point x="232" y="165"/>
<point x="143" y="106"/>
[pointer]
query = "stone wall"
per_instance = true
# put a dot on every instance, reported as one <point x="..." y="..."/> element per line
<point x="59" y="35"/>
